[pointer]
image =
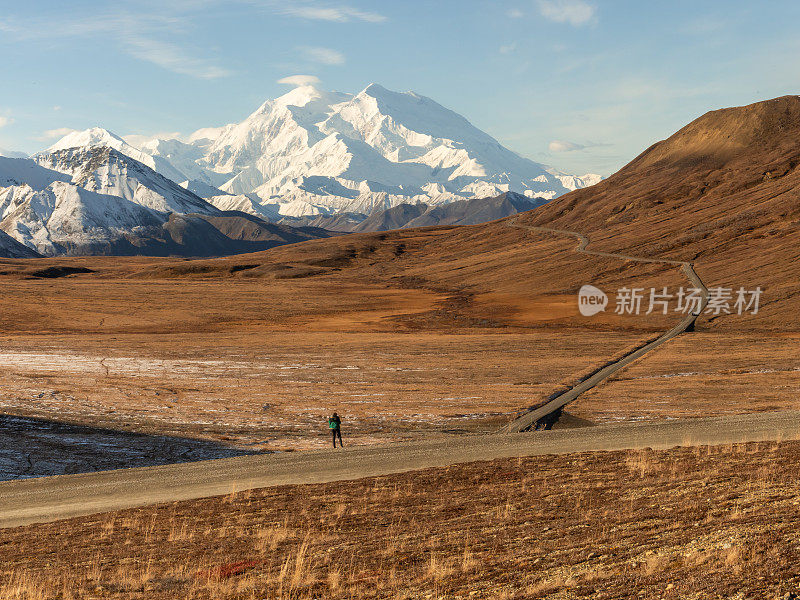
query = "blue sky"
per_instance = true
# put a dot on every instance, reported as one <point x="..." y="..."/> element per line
<point x="583" y="85"/>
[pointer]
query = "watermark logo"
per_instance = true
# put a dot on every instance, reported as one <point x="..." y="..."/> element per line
<point x="591" y="300"/>
<point x="635" y="301"/>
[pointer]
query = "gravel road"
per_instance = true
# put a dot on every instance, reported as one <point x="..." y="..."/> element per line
<point x="63" y="496"/>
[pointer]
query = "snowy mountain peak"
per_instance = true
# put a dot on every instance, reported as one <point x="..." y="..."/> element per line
<point x="99" y="137"/>
<point x="108" y="171"/>
<point x="312" y="151"/>
<point x="299" y="96"/>
<point x="375" y="90"/>
<point x="81" y="199"/>
<point x="94" y="136"/>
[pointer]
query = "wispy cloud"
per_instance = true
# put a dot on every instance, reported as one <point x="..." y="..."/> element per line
<point x="515" y="13"/>
<point x="574" y="12"/>
<point x="173" y="58"/>
<point x="324" y="56"/>
<point x="325" y="12"/>
<point x="138" y="35"/>
<point x="566" y="146"/>
<point x="5" y="121"/>
<point x="508" y="48"/>
<point x="161" y="36"/>
<point x="60" y="132"/>
<point x="299" y="80"/>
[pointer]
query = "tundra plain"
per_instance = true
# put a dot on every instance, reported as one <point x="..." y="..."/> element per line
<point x="255" y="351"/>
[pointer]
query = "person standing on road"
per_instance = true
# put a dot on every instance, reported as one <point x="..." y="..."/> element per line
<point x="335" y="425"/>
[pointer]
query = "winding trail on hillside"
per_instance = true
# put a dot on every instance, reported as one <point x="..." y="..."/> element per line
<point x="531" y="418"/>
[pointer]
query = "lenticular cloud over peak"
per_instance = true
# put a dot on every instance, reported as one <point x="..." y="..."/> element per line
<point x="300" y="80"/>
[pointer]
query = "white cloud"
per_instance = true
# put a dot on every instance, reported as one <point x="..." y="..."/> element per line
<point x="508" y="48"/>
<point x="138" y="141"/>
<point x="171" y="57"/>
<point x="299" y="80"/>
<point x="338" y="14"/>
<point x="574" y="12"/>
<point x="137" y="34"/>
<point x="6" y="121"/>
<point x="162" y="34"/>
<point x="325" y="56"/>
<point x="564" y="146"/>
<point x="56" y="108"/>
<point x="57" y="133"/>
<point x="515" y="13"/>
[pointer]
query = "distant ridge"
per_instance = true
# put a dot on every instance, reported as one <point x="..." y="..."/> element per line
<point x="462" y="212"/>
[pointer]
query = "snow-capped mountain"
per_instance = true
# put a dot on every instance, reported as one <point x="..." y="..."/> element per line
<point x="81" y="199"/>
<point x="313" y="152"/>
<point x="44" y="210"/>
<point x="96" y="200"/>
<point x="108" y="171"/>
<point x="99" y="137"/>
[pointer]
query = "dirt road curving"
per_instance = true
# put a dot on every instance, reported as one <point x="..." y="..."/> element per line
<point x="63" y="496"/>
<point x="531" y="418"/>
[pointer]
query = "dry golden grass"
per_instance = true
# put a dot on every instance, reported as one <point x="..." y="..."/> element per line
<point x="702" y="522"/>
<point x="488" y="312"/>
<point x="701" y="374"/>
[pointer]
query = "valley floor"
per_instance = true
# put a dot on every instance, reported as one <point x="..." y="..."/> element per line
<point x="403" y="333"/>
<point x="275" y="390"/>
<point x="701" y="522"/>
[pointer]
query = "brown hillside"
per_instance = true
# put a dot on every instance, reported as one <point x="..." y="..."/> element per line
<point x="724" y="190"/>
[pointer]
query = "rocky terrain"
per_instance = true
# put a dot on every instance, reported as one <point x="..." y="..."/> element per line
<point x="403" y="216"/>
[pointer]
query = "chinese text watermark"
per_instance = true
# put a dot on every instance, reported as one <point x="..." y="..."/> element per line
<point x="635" y="301"/>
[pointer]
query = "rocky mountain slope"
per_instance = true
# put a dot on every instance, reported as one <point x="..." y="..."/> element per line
<point x="313" y="152"/>
<point x="461" y="212"/>
<point x="97" y="200"/>
<point x="11" y="248"/>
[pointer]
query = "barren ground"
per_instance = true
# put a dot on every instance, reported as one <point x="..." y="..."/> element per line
<point x="702" y="373"/>
<point x="274" y="391"/>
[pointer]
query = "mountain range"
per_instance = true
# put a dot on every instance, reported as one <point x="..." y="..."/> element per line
<point x="404" y="216"/>
<point x="313" y="152"/>
<point x="96" y="200"/>
<point x="723" y="192"/>
<point x="310" y="156"/>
